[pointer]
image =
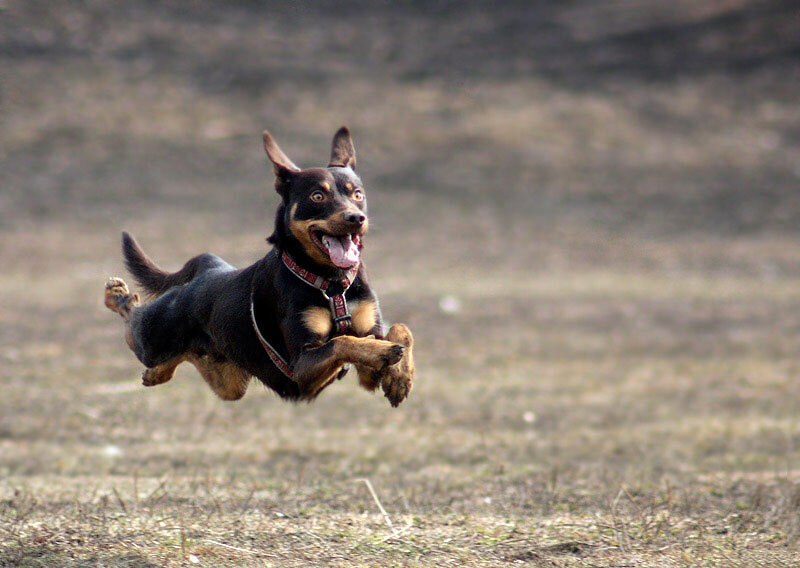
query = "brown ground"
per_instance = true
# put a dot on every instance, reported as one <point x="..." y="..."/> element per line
<point x="611" y="200"/>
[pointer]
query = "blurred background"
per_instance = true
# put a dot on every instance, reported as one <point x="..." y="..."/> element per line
<point x="588" y="213"/>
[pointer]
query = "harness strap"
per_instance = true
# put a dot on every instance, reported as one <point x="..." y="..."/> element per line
<point x="338" y="305"/>
<point x="341" y="315"/>
<point x="276" y="358"/>
<point x="342" y="320"/>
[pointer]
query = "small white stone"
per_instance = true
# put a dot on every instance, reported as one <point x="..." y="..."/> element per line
<point x="112" y="451"/>
<point x="449" y="304"/>
<point x="529" y="417"/>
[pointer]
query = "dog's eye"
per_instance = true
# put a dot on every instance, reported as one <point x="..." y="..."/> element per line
<point x="358" y="195"/>
<point x="317" y="196"/>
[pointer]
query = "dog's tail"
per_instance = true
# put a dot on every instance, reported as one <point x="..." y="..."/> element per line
<point x="147" y="273"/>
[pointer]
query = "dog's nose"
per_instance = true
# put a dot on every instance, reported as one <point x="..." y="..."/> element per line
<point x="355" y="218"/>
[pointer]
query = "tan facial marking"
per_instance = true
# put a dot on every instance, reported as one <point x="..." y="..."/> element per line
<point x="318" y="320"/>
<point x="364" y="316"/>
<point x="349" y="185"/>
<point x="326" y="186"/>
<point x="302" y="232"/>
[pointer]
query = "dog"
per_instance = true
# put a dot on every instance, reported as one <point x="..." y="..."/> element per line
<point x="297" y="319"/>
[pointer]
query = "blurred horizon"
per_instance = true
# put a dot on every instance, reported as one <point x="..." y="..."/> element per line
<point x="619" y="116"/>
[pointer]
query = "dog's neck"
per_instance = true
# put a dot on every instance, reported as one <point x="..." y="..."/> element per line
<point x="284" y="241"/>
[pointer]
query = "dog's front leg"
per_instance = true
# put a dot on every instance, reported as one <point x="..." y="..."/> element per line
<point x="396" y="380"/>
<point x="316" y="367"/>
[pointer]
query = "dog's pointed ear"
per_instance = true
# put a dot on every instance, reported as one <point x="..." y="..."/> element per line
<point x="283" y="166"/>
<point x="343" y="153"/>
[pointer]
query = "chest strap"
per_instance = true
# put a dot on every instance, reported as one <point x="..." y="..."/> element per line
<point x="333" y="290"/>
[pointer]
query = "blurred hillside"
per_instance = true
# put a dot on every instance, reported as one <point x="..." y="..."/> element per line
<point x="586" y="211"/>
<point x="639" y="117"/>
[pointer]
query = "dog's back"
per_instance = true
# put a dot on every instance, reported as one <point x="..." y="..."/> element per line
<point x="157" y="281"/>
<point x="170" y="317"/>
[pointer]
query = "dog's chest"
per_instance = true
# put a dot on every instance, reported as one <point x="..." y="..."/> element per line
<point x="363" y="313"/>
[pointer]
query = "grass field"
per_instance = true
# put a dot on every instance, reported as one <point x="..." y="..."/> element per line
<point x="616" y="385"/>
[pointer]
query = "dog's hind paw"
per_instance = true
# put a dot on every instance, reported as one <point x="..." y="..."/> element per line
<point x="118" y="298"/>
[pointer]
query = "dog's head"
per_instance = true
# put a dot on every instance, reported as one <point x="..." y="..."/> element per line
<point x="323" y="212"/>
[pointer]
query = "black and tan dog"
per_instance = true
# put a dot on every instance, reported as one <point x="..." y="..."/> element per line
<point x="296" y="319"/>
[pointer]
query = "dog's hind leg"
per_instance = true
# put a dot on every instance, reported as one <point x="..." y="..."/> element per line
<point x="119" y="299"/>
<point x="228" y="381"/>
<point x="160" y="374"/>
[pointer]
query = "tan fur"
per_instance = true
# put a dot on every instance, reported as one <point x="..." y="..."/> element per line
<point x="318" y="320"/>
<point x="396" y="380"/>
<point x="369" y="379"/>
<point x="302" y="232"/>
<point x="314" y="371"/>
<point x="366" y="351"/>
<point x="227" y="380"/>
<point x="119" y="299"/>
<point x="160" y="374"/>
<point x="321" y="384"/>
<point x="364" y="315"/>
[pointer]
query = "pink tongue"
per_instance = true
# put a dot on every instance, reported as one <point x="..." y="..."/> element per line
<point x="344" y="252"/>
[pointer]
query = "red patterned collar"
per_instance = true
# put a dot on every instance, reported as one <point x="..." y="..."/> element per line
<point x="315" y="280"/>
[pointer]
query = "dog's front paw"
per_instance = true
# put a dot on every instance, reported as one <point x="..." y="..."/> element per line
<point x="397" y="380"/>
<point x="393" y="355"/>
<point x="396" y="384"/>
<point x="377" y="354"/>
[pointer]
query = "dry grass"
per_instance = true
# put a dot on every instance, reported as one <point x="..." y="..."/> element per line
<point x="617" y="387"/>
<point x="584" y="417"/>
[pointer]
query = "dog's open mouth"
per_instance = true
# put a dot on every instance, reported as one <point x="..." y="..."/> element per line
<point x="343" y="250"/>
